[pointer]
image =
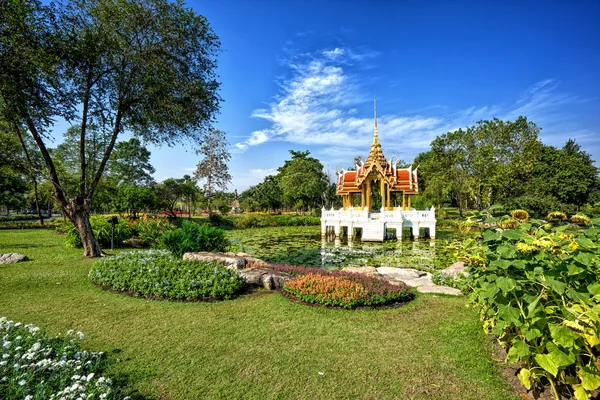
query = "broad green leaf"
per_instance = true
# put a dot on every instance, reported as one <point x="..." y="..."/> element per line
<point x="561" y="228"/>
<point x="525" y="226"/>
<point x="512" y="234"/>
<point x="546" y="362"/>
<point x="562" y="335"/>
<point x="531" y="332"/>
<point x="506" y="251"/>
<point x="558" y="287"/>
<point x="590" y="378"/>
<point x="580" y="393"/>
<point x="585" y="258"/>
<point x="559" y="357"/>
<point x="520" y="264"/>
<point x="574" y="269"/>
<point x="532" y="307"/>
<point x="490" y="235"/>
<point x="585" y="242"/>
<point x="502" y="264"/>
<point x="489" y="290"/>
<point x="525" y="378"/>
<point x="594" y="288"/>
<point x="509" y="314"/>
<point x="518" y="351"/>
<point x="506" y="284"/>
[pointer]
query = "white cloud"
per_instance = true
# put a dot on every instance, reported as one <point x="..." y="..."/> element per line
<point x="316" y="106"/>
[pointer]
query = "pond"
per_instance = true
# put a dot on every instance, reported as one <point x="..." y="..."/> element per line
<point x="303" y="246"/>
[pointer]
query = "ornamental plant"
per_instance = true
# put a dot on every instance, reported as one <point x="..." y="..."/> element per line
<point x="102" y="231"/>
<point x="537" y="288"/>
<point x="157" y="274"/>
<point x="557" y="216"/>
<point x="342" y="289"/>
<point x="520" y="215"/>
<point x="192" y="237"/>
<point x="34" y="366"/>
<point x="581" y="219"/>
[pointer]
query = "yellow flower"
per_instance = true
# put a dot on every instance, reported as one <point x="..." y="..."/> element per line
<point x="526" y="248"/>
<point x="573" y="246"/>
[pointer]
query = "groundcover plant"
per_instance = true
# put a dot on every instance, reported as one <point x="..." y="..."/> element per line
<point x="157" y="274"/>
<point x="35" y="367"/>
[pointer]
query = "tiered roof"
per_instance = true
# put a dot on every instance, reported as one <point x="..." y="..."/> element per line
<point x="403" y="179"/>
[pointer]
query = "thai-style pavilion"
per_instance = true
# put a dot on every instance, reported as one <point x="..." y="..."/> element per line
<point x="376" y="170"/>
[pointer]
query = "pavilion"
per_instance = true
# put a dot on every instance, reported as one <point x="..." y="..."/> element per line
<point x="362" y="181"/>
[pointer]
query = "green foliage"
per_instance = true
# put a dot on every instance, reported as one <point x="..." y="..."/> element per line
<point x="13" y="169"/>
<point x="459" y="282"/>
<point x="157" y="274"/>
<point x="102" y="231"/>
<point x="244" y="221"/>
<point x="193" y="237"/>
<point x="151" y="230"/>
<point x="130" y="164"/>
<point x="537" y="289"/>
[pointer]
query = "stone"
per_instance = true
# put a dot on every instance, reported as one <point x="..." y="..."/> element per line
<point x="230" y="262"/>
<point x="458" y="268"/>
<point x="371" y="271"/>
<point x="400" y="273"/>
<point x="439" y="289"/>
<point x="10" y="258"/>
<point x="265" y="277"/>
<point x="135" y="243"/>
<point x="418" y="282"/>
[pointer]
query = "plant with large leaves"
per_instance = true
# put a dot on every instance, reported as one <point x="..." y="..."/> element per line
<point x="538" y="290"/>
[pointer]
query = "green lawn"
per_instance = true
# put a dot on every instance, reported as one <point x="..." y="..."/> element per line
<point x="258" y="346"/>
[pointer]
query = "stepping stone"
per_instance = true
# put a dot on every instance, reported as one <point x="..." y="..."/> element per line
<point x="400" y="273"/>
<point x="361" y="270"/>
<point x="458" y="268"/>
<point x="439" y="289"/>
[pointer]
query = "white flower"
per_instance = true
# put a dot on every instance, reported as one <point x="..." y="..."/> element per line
<point x="81" y="335"/>
<point x="28" y="397"/>
<point x="6" y="345"/>
<point x="22" y="382"/>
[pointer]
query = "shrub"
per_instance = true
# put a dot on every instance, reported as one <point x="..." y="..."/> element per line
<point x="219" y="220"/>
<point x="102" y="231"/>
<point x="539" y="291"/>
<point x="157" y="274"/>
<point x="342" y="289"/>
<point x="557" y="216"/>
<point x="151" y="230"/>
<point x="520" y="215"/>
<point x="35" y="366"/>
<point x="459" y="282"/>
<point x="245" y="221"/>
<point x="193" y="237"/>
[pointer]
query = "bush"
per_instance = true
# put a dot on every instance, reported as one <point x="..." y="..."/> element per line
<point x="245" y="221"/>
<point x="459" y="282"/>
<point x="539" y="206"/>
<point x="509" y="223"/>
<point x="12" y="218"/>
<point x="467" y="226"/>
<point x="218" y="220"/>
<point x="342" y="289"/>
<point x="157" y="274"/>
<point x="151" y="230"/>
<point x="102" y="231"/>
<point x="193" y="237"/>
<point x="538" y="289"/>
<point x="34" y="366"/>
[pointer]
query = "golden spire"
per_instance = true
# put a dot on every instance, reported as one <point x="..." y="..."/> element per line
<point x="375" y="134"/>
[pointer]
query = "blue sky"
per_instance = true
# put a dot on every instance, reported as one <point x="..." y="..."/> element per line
<point x="302" y="74"/>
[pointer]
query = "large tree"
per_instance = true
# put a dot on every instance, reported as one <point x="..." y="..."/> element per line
<point x="13" y="169"/>
<point x="130" y="164"/>
<point x="212" y="168"/>
<point x="144" y="66"/>
<point x="302" y="181"/>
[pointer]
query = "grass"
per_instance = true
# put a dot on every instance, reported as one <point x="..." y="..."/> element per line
<point x="258" y="346"/>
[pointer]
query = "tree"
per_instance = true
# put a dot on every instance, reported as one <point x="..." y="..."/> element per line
<point x="146" y="66"/>
<point x="133" y="199"/>
<point x="130" y="164"/>
<point x="213" y="168"/>
<point x="302" y="181"/>
<point x="171" y="191"/>
<point x="13" y="169"/>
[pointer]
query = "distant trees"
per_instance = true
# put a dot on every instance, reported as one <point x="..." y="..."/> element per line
<point x="504" y="162"/>
<point x="212" y="168"/>
<point x="13" y="170"/>
<point x="299" y="184"/>
<point x="147" y="67"/>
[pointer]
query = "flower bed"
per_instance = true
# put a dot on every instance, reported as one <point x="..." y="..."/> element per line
<point x="34" y="366"/>
<point x="157" y="274"/>
<point x="342" y="289"/>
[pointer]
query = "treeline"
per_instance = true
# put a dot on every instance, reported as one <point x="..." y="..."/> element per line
<point x="300" y="184"/>
<point x="127" y="186"/>
<point x="504" y="162"/>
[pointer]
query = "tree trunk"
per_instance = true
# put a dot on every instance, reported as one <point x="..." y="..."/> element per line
<point x="79" y="214"/>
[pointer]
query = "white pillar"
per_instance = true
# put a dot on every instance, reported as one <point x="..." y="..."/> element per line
<point x="350" y="232"/>
<point x="337" y="228"/>
<point x="415" y="230"/>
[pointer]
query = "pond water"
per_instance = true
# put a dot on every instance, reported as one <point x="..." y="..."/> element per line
<point x="303" y="246"/>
